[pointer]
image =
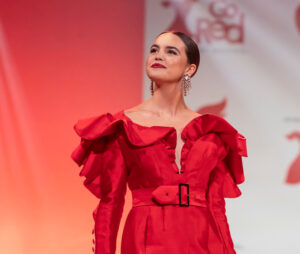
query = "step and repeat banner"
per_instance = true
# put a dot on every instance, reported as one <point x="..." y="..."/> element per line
<point x="248" y="74"/>
<point x="64" y="60"/>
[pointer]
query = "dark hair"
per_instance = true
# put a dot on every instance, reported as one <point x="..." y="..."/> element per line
<point x="191" y="48"/>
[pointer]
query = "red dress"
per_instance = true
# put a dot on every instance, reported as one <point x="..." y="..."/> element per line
<point x="178" y="213"/>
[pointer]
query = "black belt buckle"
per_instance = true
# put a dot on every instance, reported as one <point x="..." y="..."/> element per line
<point x="187" y="194"/>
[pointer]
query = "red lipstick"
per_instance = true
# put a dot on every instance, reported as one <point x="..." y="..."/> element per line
<point x="157" y="65"/>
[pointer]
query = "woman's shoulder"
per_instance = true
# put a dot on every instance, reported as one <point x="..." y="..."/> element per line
<point x="146" y="116"/>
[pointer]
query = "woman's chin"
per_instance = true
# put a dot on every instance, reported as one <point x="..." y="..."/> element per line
<point x="157" y="78"/>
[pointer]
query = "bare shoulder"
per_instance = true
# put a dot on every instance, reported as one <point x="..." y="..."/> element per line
<point x="141" y="110"/>
<point x="146" y="116"/>
<point x="141" y="115"/>
<point x="144" y="109"/>
<point x="194" y="114"/>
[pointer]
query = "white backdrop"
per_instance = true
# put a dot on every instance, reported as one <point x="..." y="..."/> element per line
<point x="249" y="73"/>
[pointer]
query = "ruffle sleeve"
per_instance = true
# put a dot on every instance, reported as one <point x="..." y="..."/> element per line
<point x="234" y="173"/>
<point x="223" y="183"/>
<point x="235" y="147"/>
<point x="221" y="231"/>
<point x="231" y="140"/>
<point x="105" y="173"/>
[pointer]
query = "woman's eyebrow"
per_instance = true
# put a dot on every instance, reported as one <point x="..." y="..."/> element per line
<point x="168" y="47"/>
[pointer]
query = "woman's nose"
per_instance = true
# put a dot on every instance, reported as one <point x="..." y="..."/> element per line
<point x="158" y="56"/>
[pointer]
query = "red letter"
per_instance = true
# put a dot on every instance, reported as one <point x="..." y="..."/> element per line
<point x="202" y="30"/>
<point x="239" y="29"/>
<point x="218" y="30"/>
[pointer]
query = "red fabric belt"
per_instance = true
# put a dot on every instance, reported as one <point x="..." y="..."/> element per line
<point x="168" y="195"/>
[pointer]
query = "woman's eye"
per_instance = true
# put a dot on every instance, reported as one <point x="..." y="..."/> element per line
<point x="170" y="51"/>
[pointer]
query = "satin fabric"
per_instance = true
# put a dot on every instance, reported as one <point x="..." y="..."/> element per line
<point x="116" y="152"/>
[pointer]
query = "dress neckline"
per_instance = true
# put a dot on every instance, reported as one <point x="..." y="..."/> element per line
<point x="183" y="151"/>
<point x="168" y="127"/>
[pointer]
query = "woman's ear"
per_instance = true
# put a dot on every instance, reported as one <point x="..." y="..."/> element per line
<point x="191" y="69"/>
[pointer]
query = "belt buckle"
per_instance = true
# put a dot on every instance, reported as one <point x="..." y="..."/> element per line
<point x="187" y="194"/>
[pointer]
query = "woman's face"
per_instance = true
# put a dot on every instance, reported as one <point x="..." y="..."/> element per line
<point x="168" y="50"/>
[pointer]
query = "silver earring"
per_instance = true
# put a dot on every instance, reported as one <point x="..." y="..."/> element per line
<point x="186" y="84"/>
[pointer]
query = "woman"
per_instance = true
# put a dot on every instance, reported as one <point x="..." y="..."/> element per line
<point x="179" y="165"/>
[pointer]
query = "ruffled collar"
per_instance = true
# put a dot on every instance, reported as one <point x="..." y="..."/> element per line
<point x="105" y="124"/>
<point x="184" y="132"/>
<point x="193" y="130"/>
<point x="94" y="128"/>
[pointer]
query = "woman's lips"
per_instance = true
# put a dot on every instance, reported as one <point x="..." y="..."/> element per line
<point x="156" y="65"/>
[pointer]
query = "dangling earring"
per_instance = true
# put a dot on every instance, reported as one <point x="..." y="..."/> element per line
<point x="152" y="88"/>
<point x="186" y="84"/>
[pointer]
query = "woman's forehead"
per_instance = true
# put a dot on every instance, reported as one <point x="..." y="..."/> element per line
<point x="169" y="39"/>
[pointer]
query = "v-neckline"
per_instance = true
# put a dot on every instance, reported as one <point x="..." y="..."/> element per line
<point x="174" y="129"/>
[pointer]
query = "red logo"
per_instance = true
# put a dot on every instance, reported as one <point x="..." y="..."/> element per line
<point x="182" y="8"/>
<point x="293" y="175"/>
<point x="216" y="108"/>
<point x="297" y="18"/>
<point x="221" y="20"/>
<point x="227" y="24"/>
